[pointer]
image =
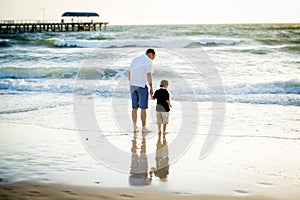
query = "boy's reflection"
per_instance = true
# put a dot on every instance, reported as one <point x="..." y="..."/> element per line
<point x="139" y="164"/>
<point x="162" y="159"/>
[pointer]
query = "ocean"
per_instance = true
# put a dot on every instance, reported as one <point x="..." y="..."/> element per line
<point x="257" y="63"/>
<point x="252" y="69"/>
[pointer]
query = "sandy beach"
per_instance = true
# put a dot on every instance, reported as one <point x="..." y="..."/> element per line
<point x="51" y="163"/>
<point x="32" y="190"/>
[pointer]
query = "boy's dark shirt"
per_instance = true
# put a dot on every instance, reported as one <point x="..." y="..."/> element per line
<point x="162" y="95"/>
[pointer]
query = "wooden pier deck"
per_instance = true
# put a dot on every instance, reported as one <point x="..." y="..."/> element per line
<point x="13" y="27"/>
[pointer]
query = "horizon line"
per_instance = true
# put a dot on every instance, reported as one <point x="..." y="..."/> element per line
<point x="187" y="23"/>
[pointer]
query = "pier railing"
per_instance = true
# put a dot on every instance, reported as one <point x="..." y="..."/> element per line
<point x="63" y="25"/>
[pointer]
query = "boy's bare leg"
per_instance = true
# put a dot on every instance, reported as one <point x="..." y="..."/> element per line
<point x="164" y="128"/>
<point x="159" y="127"/>
<point x="134" y="119"/>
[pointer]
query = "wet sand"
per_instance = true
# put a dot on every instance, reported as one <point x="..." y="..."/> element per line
<point x="252" y="161"/>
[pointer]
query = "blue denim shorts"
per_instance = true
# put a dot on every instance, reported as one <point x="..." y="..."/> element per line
<point x="139" y="96"/>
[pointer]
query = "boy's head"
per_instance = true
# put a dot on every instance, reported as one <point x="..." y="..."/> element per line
<point x="164" y="83"/>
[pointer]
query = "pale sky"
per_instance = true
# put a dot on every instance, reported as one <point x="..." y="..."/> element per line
<point x="159" y="11"/>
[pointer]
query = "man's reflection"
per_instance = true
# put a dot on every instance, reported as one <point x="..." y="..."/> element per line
<point x="162" y="158"/>
<point x="139" y="164"/>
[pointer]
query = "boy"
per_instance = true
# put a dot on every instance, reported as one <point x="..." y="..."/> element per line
<point x="163" y="105"/>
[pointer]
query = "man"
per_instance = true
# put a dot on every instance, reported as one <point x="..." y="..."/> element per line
<point x="139" y="75"/>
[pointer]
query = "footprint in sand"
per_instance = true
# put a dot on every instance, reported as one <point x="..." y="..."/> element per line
<point x="8" y="189"/>
<point x="39" y="186"/>
<point x="33" y="193"/>
<point x="70" y="192"/>
<point x="265" y="184"/>
<point x="182" y="193"/>
<point x="242" y="192"/>
<point x="127" y="195"/>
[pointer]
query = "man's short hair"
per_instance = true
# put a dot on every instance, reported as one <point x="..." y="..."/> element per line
<point x="150" y="51"/>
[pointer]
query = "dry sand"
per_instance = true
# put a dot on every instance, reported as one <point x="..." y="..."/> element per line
<point x="35" y="190"/>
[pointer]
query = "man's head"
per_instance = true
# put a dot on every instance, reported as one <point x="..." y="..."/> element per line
<point x="150" y="53"/>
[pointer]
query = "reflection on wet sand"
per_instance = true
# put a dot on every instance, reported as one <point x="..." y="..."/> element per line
<point x="162" y="159"/>
<point x="139" y="175"/>
<point x="139" y="164"/>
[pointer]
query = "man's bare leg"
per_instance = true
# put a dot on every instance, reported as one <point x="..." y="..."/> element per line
<point x="143" y="118"/>
<point x="134" y="119"/>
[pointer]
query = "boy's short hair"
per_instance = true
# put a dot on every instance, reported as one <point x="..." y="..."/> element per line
<point x="164" y="83"/>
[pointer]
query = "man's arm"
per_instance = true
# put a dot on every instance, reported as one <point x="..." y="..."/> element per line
<point x="149" y="79"/>
<point x="128" y="75"/>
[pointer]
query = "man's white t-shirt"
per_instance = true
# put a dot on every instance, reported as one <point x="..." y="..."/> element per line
<point x="139" y="68"/>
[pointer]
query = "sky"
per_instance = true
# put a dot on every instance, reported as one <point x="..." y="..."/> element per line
<point x="130" y="12"/>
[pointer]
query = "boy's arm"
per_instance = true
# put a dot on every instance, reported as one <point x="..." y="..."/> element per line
<point x="154" y="96"/>
<point x="169" y="103"/>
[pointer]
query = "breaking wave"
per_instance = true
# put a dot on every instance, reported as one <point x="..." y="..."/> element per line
<point x="56" y="72"/>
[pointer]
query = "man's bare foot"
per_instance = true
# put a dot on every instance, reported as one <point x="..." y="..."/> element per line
<point x="145" y="130"/>
<point x="135" y="129"/>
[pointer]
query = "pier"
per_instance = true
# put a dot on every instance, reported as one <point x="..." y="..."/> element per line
<point x="89" y="21"/>
<point x="12" y="27"/>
